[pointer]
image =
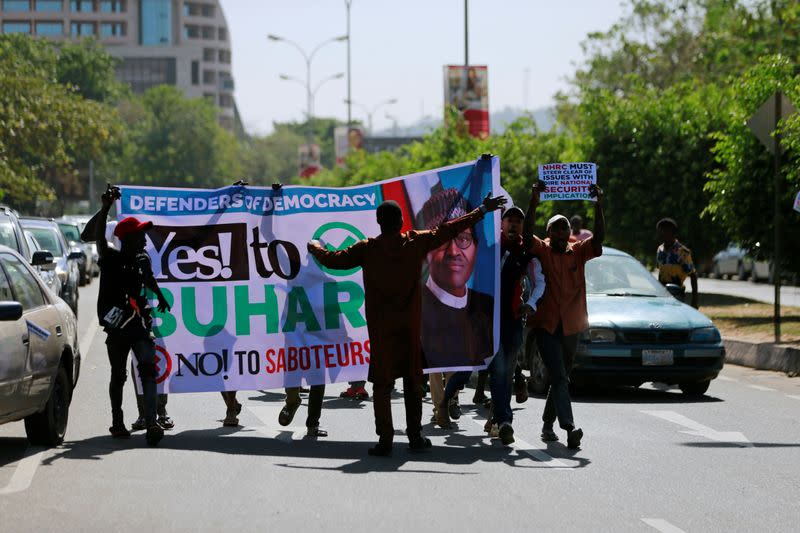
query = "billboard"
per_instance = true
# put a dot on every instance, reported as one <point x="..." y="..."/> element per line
<point x="346" y="140"/>
<point x="467" y="89"/>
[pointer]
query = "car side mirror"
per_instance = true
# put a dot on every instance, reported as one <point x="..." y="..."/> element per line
<point x="43" y="259"/>
<point x="10" y="311"/>
<point x="76" y="255"/>
<point x="676" y="290"/>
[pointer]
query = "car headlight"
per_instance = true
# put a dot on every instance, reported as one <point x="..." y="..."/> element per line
<point x="709" y="334"/>
<point x="601" y="335"/>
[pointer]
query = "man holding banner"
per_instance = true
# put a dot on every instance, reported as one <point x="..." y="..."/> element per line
<point x="562" y="313"/>
<point x="392" y="268"/>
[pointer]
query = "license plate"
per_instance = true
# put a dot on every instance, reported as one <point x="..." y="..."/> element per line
<point x="657" y="357"/>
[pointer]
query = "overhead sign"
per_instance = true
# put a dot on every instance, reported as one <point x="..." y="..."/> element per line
<point x="467" y="88"/>
<point x="252" y="309"/>
<point x="567" y="181"/>
<point x="763" y="121"/>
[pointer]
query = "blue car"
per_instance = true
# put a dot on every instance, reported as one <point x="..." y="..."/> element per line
<point x="638" y="332"/>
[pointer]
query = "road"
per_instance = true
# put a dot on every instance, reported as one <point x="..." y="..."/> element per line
<point x="761" y="292"/>
<point x="652" y="461"/>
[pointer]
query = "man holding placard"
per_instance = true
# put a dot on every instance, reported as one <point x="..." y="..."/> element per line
<point x="562" y="313"/>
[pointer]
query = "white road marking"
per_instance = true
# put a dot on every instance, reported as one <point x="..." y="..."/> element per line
<point x="699" y="430"/>
<point x="726" y="378"/>
<point x="268" y="417"/>
<point x="88" y="336"/>
<point x="662" y="525"/>
<point x="761" y="387"/>
<point x="522" y="446"/>
<point x="793" y="396"/>
<point x="23" y="475"/>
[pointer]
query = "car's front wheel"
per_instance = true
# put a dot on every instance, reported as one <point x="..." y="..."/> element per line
<point x="694" y="388"/>
<point x="47" y="428"/>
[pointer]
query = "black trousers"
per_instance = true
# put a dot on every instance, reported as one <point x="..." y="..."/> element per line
<point x="119" y="345"/>
<point x="382" y="403"/>
<point x="314" y="402"/>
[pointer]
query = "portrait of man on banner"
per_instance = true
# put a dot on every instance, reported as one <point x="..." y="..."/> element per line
<point x="456" y="319"/>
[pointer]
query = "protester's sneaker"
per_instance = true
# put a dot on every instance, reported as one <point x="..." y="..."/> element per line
<point x="154" y="434"/>
<point x="420" y="444"/>
<point x="506" y="433"/>
<point x="316" y="431"/>
<point x="520" y="389"/>
<point x="382" y="449"/>
<point x="548" y="435"/>
<point x="119" y="431"/>
<point x="349" y="393"/>
<point x="361" y="393"/>
<point x="574" y="437"/>
<point x="453" y="409"/>
<point x="139" y="425"/>
<point x="287" y="413"/>
<point x="165" y="422"/>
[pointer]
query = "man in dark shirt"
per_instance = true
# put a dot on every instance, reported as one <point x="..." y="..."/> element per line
<point x="124" y="313"/>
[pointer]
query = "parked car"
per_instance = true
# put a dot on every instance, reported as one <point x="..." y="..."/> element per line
<point x="13" y="236"/>
<point x="638" y="332"/>
<point x="41" y="359"/>
<point x="47" y="271"/>
<point x="732" y="261"/>
<point x="73" y="237"/>
<point x="81" y="221"/>
<point x="50" y="237"/>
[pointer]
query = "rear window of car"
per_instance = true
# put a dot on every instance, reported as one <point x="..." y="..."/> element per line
<point x="48" y="238"/>
<point x="7" y="235"/>
<point x="70" y="232"/>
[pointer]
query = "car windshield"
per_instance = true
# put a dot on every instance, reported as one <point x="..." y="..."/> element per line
<point x="48" y="238"/>
<point x="619" y="275"/>
<point x="7" y="237"/>
<point x="70" y="232"/>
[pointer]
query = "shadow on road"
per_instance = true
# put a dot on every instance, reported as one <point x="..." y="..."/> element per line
<point x="469" y="450"/>
<point x="632" y="395"/>
<point x="12" y="449"/>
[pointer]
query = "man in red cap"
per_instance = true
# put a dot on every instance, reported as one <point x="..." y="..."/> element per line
<point x="124" y="313"/>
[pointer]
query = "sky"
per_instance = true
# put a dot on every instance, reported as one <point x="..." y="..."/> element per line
<point x="398" y="50"/>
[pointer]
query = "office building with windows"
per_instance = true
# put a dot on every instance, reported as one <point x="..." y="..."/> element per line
<point x="185" y="43"/>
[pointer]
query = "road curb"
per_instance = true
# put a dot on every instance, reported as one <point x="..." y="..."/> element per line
<point x="763" y="356"/>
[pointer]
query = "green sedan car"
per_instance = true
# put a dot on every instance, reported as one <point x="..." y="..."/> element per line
<point x="638" y="332"/>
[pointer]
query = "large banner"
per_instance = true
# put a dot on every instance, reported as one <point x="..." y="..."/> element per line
<point x="251" y="309"/>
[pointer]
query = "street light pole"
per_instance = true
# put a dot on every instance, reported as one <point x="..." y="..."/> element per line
<point x="308" y="58"/>
<point x="347" y="4"/>
<point x="371" y="111"/>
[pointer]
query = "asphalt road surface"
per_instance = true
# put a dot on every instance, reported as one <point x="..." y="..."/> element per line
<point x="652" y="460"/>
<point x="761" y="292"/>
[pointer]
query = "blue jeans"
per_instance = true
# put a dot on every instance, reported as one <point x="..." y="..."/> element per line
<point x="501" y="372"/>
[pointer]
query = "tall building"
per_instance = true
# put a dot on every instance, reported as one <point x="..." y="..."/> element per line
<point x="185" y="43"/>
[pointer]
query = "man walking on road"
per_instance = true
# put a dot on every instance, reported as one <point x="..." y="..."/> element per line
<point x="392" y="268"/>
<point x="124" y="313"/>
<point x="562" y="313"/>
<point x="674" y="259"/>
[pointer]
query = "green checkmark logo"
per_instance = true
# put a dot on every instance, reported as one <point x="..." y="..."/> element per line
<point x="353" y="235"/>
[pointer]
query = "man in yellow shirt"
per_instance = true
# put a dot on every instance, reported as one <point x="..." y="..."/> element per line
<point x="674" y="260"/>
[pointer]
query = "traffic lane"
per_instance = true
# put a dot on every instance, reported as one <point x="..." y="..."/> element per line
<point x="761" y="292"/>
<point x="247" y="477"/>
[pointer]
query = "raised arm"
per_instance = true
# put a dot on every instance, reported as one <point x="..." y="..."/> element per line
<point x="350" y="257"/>
<point x="449" y="230"/>
<point x="99" y="219"/>
<point x="530" y="214"/>
<point x="599" y="233"/>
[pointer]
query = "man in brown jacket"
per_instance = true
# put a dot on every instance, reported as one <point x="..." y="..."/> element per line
<point x="392" y="268"/>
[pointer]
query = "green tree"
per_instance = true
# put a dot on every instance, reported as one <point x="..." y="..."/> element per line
<point x="177" y="142"/>
<point x="90" y="70"/>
